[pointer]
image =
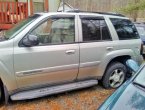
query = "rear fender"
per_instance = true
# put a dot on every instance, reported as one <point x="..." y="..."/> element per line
<point x="112" y="55"/>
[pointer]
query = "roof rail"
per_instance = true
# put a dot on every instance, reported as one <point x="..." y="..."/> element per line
<point x="104" y="13"/>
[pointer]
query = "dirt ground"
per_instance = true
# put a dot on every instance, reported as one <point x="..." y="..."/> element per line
<point x="85" y="99"/>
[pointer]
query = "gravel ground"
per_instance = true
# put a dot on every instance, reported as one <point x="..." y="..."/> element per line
<point x="85" y="99"/>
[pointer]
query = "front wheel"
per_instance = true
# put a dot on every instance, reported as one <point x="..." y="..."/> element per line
<point x="115" y="75"/>
<point x="1" y="94"/>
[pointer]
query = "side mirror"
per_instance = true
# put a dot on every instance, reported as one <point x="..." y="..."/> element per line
<point x="30" y="40"/>
<point x="132" y="65"/>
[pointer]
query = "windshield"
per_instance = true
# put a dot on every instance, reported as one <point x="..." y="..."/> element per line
<point x="19" y="27"/>
<point x="140" y="79"/>
<point x="141" y="31"/>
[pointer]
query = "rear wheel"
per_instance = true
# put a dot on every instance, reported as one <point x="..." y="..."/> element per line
<point x="115" y="75"/>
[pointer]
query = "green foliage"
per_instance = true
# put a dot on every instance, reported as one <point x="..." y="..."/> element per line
<point x="135" y="6"/>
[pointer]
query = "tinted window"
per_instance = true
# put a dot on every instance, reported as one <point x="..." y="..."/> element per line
<point x="95" y="30"/>
<point x="125" y="29"/>
<point x="104" y="29"/>
<point x="56" y="31"/>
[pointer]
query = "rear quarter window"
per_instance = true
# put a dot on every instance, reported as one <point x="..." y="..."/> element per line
<point x="125" y="29"/>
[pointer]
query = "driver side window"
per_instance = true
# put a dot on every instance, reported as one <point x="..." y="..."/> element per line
<point x="55" y="31"/>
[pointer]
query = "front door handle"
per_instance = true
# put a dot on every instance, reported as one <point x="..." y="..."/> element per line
<point x="70" y="52"/>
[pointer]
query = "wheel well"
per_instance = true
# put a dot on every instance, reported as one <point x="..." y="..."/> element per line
<point x="120" y="59"/>
<point x="1" y="83"/>
<point x="2" y="87"/>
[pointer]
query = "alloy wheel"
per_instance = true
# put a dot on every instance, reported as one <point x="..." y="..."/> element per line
<point x="116" y="78"/>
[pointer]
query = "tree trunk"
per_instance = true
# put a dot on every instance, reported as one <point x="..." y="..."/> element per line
<point x="135" y="13"/>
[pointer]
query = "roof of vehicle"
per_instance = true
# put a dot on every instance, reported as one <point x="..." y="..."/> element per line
<point x="103" y="13"/>
<point x="78" y="12"/>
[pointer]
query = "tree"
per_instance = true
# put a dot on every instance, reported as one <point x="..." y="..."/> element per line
<point x="133" y="8"/>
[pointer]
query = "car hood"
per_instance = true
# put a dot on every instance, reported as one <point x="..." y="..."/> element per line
<point x="132" y="98"/>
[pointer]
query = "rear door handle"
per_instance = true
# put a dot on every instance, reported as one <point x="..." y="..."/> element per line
<point x="70" y="52"/>
<point x="109" y="48"/>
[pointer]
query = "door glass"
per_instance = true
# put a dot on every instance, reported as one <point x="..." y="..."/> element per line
<point x="104" y="30"/>
<point x="95" y="30"/>
<point x="91" y="30"/>
<point x="56" y="31"/>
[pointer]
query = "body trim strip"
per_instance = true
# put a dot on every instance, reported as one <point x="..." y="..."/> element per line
<point x="89" y="64"/>
<point x="47" y="70"/>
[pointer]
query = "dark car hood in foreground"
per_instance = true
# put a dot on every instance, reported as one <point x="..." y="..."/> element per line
<point x="133" y="98"/>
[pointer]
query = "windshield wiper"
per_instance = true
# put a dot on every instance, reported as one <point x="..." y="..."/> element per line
<point x="139" y="85"/>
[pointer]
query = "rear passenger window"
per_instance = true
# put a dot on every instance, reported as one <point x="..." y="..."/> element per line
<point x="125" y="29"/>
<point x="95" y="30"/>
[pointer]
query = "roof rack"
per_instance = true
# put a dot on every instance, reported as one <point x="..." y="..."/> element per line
<point x="104" y="13"/>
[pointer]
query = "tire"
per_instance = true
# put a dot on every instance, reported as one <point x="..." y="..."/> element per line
<point x="1" y="94"/>
<point x="114" y="76"/>
<point x="143" y="56"/>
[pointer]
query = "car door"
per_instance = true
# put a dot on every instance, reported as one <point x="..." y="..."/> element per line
<point x="95" y="43"/>
<point x="55" y="59"/>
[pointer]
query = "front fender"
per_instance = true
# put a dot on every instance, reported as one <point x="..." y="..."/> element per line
<point x="7" y="77"/>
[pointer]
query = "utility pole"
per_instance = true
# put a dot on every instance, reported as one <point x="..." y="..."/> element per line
<point x="63" y="5"/>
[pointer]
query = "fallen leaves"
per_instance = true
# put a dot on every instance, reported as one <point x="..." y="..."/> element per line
<point x="86" y="99"/>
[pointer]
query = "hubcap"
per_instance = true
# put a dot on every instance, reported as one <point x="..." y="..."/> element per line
<point x="116" y="78"/>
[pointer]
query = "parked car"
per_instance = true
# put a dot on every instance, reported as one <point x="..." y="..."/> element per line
<point x="49" y="53"/>
<point x="141" y="30"/>
<point x="130" y="96"/>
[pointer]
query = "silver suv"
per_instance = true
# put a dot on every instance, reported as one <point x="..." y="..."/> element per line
<point x="49" y="53"/>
